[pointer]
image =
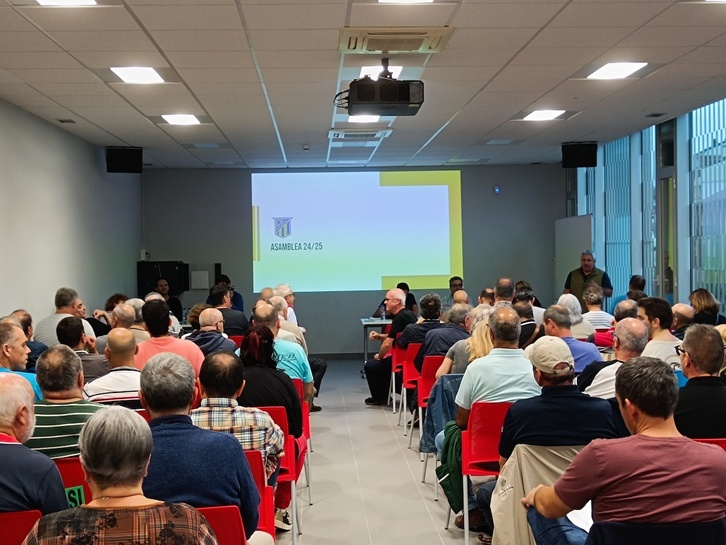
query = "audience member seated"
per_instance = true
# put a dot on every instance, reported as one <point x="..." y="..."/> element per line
<point x="629" y="340"/>
<point x="476" y="346"/>
<point x="682" y="319"/>
<point x="560" y="416"/>
<point x="593" y="297"/>
<point x="556" y="321"/>
<point x="138" y="329"/>
<point x="526" y="295"/>
<point x="14" y="354"/>
<point x="237" y="301"/>
<point x="175" y="306"/>
<point x="267" y="386"/>
<point x="378" y="370"/>
<point x="209" y="336"/>
<point x="410" y="301"/>
<point x="503" y="292"/>
<point x="531" y="330"/>
<point x="636" y="283"/>
<point x="581" y="329"/>
<point x="62" y="411"/>
<point x="193" y="317"/>
<point x="174" y="324"/>
<point x="70" y="333"/>
<point x="101" y="320"/>
<point x="524" y="285"/>
<point x="657" y="315"/>
<point x="627" y="308"/>
<point x="115" y="448"/>
<point x="235" y="322"/>
<point x="121" y="384"/>
<point x="222" y="381"/>
<point x="438" y="341"/>
<point x="706" y="308"/>
<point x="486" y="297"/>
<point x="285" y="291"/>
<point x="505" y="374"/>
<point x="28" y="479"/>
<point x="722" y="331"/>
<point x="67" y="303"/>
<point x="460" y="298"/>
<point x="156" y="322"/>
<point x="191" y="465"/>
<point x="36" y="348"/>
<point x="655" y="476"/>
<point x="702" y="401"/>
<point x="430" y="319"/>
<point x="122" y="316"/>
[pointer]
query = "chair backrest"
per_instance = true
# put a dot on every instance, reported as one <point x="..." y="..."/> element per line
<point x="431" y="364"/>
<point x="257" y="465"/>
<point x="721" y="442"/>
<point x="480" y="440"/>
<point x="226" y="522"/>
<point x="628" y="533"/>
<point x="305" y="407"/>
<point x="398" y="355"/>
<point x="410" y="373"/>
<point x="15" y="526"/>
<point x="267" y="507"/>
<point x="237" y="339"/>
<point x="77" y="490"/>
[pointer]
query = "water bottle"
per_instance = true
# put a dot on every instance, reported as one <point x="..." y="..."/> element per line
<point x="383" y="311"/>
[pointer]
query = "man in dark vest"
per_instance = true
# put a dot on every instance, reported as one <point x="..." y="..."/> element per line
<point x="587" y="273"/>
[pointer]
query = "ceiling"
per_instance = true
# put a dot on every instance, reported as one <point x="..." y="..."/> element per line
<point x="261" y="76"/>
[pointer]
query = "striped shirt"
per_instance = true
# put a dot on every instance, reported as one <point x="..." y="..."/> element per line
<point x="119" y="387"/>
<point x="57" y="426"/>
<point x="253" y="428"/>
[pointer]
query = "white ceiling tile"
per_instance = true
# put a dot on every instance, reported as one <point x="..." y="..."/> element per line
<point x="693" y="13"/>
<point x="295" y="16"/>
<point x="108" y="40"/>
<point x="232" y="75"/>
<point x="504" y="15"/>
<point x="704" y="55"/>
<point x="301" y="59"/>
<point x="198" y="17"/>
<point x="298" y="77"/>
<point x="295" y="40"/>
<point x="490" y="38"/>
<point x="575" y="37"/>
<point x="473" y="57"/>
<point x="393" y="15"/>
<point x="26" y="41"/>
<point x="680" y="36"/>
<point x="607" y="14"/>
<point x="76" y="89"/>
<point x="81" y="18"/>
<point x="211" y="59"/>
<point x="106" y="59"/>
<point x="200" y="40"/>
<point x="44" y="60"/>
<point x="227" y="91"/>
<point x="50" y="75"/>
<point x="12" y="21"/>
<point x="460" y="73"/>
<point x="557" y="55"/>
<point x="193" y="133"/>
<point x="653" y="55"/>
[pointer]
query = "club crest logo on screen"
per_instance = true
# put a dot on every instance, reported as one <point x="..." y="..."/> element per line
<point x="283" y="227"/>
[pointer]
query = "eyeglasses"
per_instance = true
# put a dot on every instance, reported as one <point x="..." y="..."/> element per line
<point x="456" y="285"/>
<point x="680" y="350"/>
<point x="219" y="322"/>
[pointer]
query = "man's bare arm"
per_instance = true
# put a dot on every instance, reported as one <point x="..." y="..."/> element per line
<point x="462" y="417"/>
<point x="546" y="501"/>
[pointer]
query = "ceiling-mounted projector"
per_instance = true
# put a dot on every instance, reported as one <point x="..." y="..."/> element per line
<point x="385" y="96"/>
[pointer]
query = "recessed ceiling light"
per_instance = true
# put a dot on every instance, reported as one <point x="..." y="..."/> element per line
<point x="544" y="115"/>
<point x="617" y="70"/>
<point x="181" y="119"/>
<point x="405" y="1"/>
<point x="363" y="118"/>
<point x="137" y="74"/>
<point x="373" y="71"/>
<point x="67" y="2"/>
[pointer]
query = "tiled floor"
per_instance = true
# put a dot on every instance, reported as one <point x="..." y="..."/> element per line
<point x="366" y="482"/>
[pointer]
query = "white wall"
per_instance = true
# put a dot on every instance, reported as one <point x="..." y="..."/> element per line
<point x="65" y="221"/>
<point x="203" y="216"/>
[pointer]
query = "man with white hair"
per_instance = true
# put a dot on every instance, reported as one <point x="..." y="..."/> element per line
<point x="285" y="291"/>
<point x="137" y="328"/>
<point x="123" y="316"/>
<point x="378" y="370"/>
<point x="209" y="336"/>
<point x="28" y="480"/>
<point x="67" y="303"/>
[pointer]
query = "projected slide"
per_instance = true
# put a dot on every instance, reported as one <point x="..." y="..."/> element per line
<point x="349" y="231"/>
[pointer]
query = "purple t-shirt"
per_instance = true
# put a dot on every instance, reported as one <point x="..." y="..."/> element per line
<point x="646" y="479"/>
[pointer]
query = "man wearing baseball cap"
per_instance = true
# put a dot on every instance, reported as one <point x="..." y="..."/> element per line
<point x="560" y="416"/>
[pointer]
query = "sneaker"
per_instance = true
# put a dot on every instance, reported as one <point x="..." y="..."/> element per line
<point x="315" y="408"/>
<point x="282" y="520"/>
<point x="376" y="402"/>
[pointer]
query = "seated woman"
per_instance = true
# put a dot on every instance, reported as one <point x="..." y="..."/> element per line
<point x="706" y="308"/>
<point x="581" y="328"/>
<point x="463" y="352"/>
<point x="115" y="445"/>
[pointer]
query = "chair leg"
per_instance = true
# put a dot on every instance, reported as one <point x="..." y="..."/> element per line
<point x="298" y="511"/>
<point x="310" y="443"/>
<point x="465" y="512"/>
<point x="410" y="430"/>
<point x="426" y="462"/>
<point x="308" y="478"/>
<point x="448" y="519"/>
<point x="296" y="530"/>
<point x="401" y="409"/>
<point x="436" y="480"/>
<point x="392" y="391"/>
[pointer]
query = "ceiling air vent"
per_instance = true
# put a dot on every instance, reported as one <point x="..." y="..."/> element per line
<point x="394" y="40"/>
<point x="358" y="134"/>
<point x="66" y="121"/>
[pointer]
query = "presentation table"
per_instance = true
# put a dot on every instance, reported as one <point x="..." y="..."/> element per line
<point x="369" y="323"/>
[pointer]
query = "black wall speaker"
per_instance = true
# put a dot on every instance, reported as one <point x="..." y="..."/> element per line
<point x="579" y="154"/>
<point x="126" y="160"/>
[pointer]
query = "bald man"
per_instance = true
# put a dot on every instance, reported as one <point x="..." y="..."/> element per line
<point x="209" y="338"/>
<point x="682" y="318"/>
<point x="28" y="480"/>
<point x="122" y="315"/>
<point x="121" y="385"/>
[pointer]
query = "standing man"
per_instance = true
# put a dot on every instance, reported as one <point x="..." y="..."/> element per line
<point x="587" y="273"/>
<point x="456" y="283"/>
<point x="175" y="306"/>
<point x="378" y="370"/>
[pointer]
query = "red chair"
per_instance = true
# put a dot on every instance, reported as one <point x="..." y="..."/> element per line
<point x="237" y="339"/>
<point x="410" y="380"/>
<point x="290" y="467"/>
<point x="480" y="448"/>
<point x="721" y="442"/>
<point x="426" y="382"/>
<point x="398" y="356"/>
<point x="267" y="495"/>
<point x="226" y="522"/>
<point x="15" y="526"/>
<point x="306" y="432"/>
<point x="72" y="475"/>
<point x="145" y="414"/>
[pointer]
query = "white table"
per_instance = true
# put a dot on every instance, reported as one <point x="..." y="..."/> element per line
<point x="367" y="324"/>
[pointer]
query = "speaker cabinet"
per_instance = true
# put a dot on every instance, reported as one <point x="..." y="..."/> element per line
<point x="124" y="160"/>
<point x="579" y="154"/>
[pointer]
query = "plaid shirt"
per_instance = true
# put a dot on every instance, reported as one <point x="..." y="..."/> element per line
<point x="253" y="428"/>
